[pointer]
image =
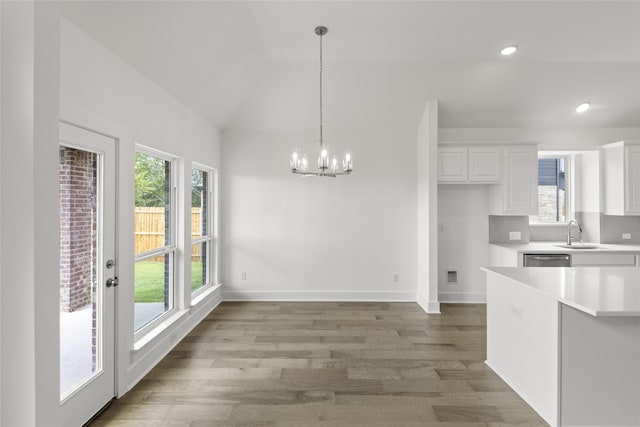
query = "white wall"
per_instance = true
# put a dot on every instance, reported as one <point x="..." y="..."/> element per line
<point x="320" y="238"/>
<point x="463" y="218"/>
<point x="17" y="309"/>
<point x="103" y="93"/>
<point x="549" y="139"/>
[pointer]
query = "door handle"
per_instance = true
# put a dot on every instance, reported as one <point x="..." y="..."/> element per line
<point x="112" y="282"/>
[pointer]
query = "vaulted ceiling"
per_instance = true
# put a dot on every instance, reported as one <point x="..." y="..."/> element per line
<point x="254" y="65"/>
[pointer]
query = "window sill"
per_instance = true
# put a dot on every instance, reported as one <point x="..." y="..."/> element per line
<point x="161" y="327"/>
<point x="204" y="293"/>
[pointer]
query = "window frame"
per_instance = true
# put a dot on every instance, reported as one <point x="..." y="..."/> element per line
<point x="569" y="188"/>
<point x="211" y="238"/>
<point x="171" y="250"/>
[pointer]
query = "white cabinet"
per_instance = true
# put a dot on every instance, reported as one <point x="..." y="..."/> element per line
<point x="621" y="178"/>
<point x="484" y="164"/>
<point x="475" y="165"/>
<point x="519" y="193"/>
<point x="452" y="164"/>
<point x="523" y="343"/>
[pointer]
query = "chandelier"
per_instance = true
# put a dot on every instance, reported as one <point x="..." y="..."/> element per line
<point x="328" y="164"/>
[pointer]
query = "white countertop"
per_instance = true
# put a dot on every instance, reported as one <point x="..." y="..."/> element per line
<point x="598" y="291"/>
<point x="549" y="248"/>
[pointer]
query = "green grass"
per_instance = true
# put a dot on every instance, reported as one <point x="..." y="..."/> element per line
<point x="149" y="279"/>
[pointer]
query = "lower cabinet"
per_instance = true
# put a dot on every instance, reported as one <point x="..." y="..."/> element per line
<point x="522" y="343"/>
<point x="572" y="368"/>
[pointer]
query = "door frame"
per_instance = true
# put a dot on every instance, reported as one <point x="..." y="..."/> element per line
<point x="112" y="211"/>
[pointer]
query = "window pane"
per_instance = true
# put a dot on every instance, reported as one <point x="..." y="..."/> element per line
<point x="152" y="289"/>
<point x="199" y="203"/>
<point x="552" y="191"/>
<point x="199" y="265"/>
<point x="153" y="203"/>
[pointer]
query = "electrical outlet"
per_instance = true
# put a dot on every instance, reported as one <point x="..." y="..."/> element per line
<point x="515" y="235"/>
<point x="396" y="278"/>
<point x="243" y="275"/>
<point x="626" y="236"/>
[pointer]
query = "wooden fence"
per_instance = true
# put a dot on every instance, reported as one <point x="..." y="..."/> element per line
<point x="149" y="226"/>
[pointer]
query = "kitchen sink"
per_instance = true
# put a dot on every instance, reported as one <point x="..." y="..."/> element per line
<point x="578" y="246"/>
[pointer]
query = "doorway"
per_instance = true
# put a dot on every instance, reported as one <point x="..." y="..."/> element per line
<point x="88" y="280"/>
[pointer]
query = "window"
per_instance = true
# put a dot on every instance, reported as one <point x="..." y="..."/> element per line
<point x="155" y="236"/>
<point x="553" y="189"/>
<point x="203" y="248"/>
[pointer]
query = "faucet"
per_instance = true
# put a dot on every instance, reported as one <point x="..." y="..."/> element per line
<point x="569" y="237"/>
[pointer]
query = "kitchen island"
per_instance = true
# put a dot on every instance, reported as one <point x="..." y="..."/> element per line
<point x="567" y="340"/>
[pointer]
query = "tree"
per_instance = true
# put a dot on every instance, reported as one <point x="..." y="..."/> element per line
<point x="151" y="180"/>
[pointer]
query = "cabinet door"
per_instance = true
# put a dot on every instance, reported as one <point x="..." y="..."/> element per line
<point x="484" y="164"/>
<point x="452" y="164"/>
<point x="520" y="188"/>
<point x="632" y="180"/>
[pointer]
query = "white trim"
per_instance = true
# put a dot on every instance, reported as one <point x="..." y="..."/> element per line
<point x="463" y="297"/>
<point x="160" y="347"/>
<point x="569" y="198"/>
<point x="149" y="331"/>
<point x="211" y="220"/>
<point x="427" y="306"/>
<point x="317" y="296"/>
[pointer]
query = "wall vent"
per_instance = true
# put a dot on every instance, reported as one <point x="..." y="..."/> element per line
<point x="452" y="276"/>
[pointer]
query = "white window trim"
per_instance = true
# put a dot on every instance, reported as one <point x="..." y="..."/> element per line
<point x="161" y="322"/>
<point x="211" y="237"/>
<point x="569" y="200"/>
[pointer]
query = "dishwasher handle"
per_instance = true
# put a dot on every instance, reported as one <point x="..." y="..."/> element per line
<point x="547" y="260"/>
<point x="549" y="257"/>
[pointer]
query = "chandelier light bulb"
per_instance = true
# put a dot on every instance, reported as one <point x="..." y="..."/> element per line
<point x="334" y="163"/>
<point x="295" y="160"/>
<point x="347" y="162"/>
<point x="304" y="163"/>
<point x="323" y="159"/>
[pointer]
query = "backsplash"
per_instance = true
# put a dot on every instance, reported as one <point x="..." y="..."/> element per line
<point x="612" y="228"/>
<point x="501" y="226"/>
<point x="596" y="228"/>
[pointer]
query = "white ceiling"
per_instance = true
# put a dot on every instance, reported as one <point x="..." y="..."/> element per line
<point x="253" y="65"/>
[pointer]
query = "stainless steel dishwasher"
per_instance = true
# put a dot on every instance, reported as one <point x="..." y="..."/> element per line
<point x="547" y="260"/>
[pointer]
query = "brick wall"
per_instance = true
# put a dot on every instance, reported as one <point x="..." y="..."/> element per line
<point x="77" y="176"/>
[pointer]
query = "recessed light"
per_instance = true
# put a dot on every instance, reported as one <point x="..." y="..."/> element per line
<point x="509" y="50"/>
<point x="583" y="107"/>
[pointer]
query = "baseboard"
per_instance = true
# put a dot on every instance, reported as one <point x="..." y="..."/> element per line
<point x="429" y="307"/>
<point x="318" y="296"/>
<point x="463" y="297"/>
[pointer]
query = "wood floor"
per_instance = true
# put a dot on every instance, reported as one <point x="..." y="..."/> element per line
<point x="326" y="364"/>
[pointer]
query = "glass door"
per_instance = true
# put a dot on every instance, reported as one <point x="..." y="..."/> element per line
<point x="88" y="280"/>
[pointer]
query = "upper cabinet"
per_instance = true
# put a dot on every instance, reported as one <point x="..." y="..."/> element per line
<point x="514" y="166"/>
<point x="520" y="186"/>
<point x="621" y="178"/>
<point x="452" y="164"/>
<point x="475" y="165"/>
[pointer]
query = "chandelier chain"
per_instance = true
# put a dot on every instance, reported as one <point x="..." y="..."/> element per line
<point x="321" y="89"/>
